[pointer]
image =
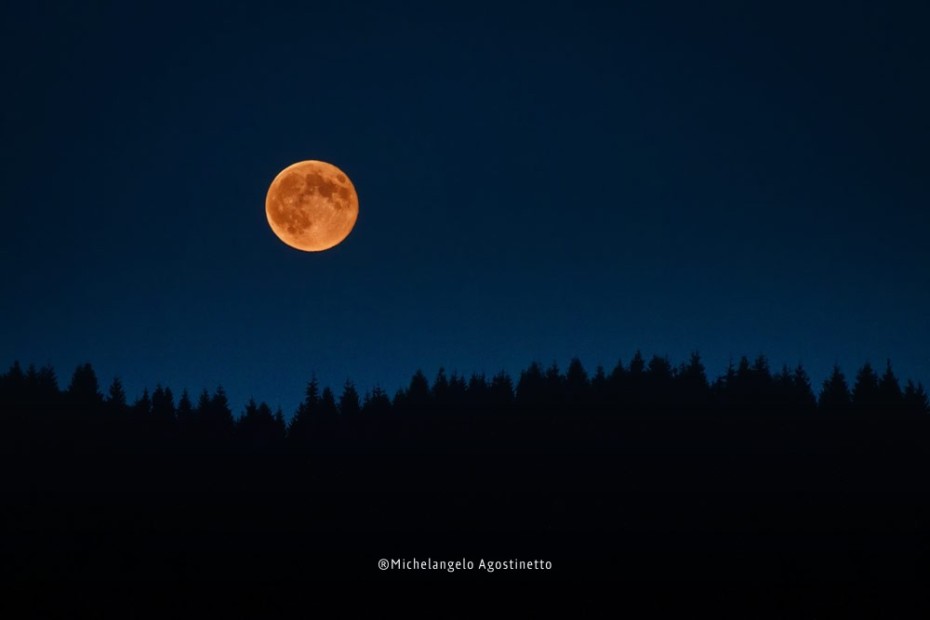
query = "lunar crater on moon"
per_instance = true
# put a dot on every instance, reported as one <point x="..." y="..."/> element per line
<point x="311" y="206"/>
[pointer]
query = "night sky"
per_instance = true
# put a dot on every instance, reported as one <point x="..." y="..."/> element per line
<point x="536" y="181"/>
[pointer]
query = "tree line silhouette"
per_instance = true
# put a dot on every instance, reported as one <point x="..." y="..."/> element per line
<point x="34" y="404"/>
<point x="645" y="470"/>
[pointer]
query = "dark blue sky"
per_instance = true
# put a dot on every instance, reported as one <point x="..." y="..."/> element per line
<point x="536" y="181"/>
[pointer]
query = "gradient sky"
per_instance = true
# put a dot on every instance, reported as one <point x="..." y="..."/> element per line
<point x="536" y="181"/>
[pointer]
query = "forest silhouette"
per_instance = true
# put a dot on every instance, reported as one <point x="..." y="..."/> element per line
<point x="647" y="470"/>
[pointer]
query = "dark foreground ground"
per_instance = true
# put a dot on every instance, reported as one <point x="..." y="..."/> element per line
<point x="771" y="500"/>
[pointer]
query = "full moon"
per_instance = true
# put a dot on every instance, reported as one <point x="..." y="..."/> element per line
<point x="311" y="206"/>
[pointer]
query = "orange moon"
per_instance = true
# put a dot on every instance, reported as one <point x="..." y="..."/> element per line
<point x="311" y="206"/>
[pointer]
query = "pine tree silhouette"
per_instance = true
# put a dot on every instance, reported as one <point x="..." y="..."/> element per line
<point x="577" y="385"/>
<point x="835" y="397"/>
<point x="201" y="419"/>
<point x="349" y="404"/>
<point x="301" y="426"/>
<point x="142" y="408"/>
<point x="616" y="389"/>
<point x="657" y="383"/>
<point x="439" y="393"/>
<point x="865" y="396"/>
<point x="163" y="413"/>
<point x="327" y="417"/>
<point x="416" y="398"/>
<point x="116" y="398"/>
<point x="477" y="393"/>
<point x="634" y="395"/>
<point x="693" y="390"/>
<point x="185" y="416"/>
<point x="802" y="394"/>
<point x="915" y="399"/>
<point x="554" y="387"/>
<point x="456" y="398"/>
<point x="531" y="388"/>
<point x="258" y="427"/>
<point x="889" y="392"/>
<point x="219" y="423"/>
<point x="84" y="390"/>
<point x="500" y="393"/>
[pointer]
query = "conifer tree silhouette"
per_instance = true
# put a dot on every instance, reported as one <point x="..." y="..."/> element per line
<point x="349" y="404"/>
<point x="531" y="387"/>
<point x="633" y="396"/>
<point x="416" y="398"/>
<point x="693" y="390"/>
<point x="301" y="426"/>
<point x="657" y="383"/>
<point x="377" y="401"/>
<point x="616" y="396"/>
<point x="477" y="392"/>
<point x="280" y="424"/>
<point x="865" y="395"/>
<point x="327" y="417"/>
<point x="201" y="416"/>
<point x="915" y="399"/>
<point x="455" y="398"/>
<point x="439" y="393"/>
<point x="116" y="398"/>
<point x="889" y="392"/>
<point x="258" y="427"/>
<point x="246" y="425"/>
<point x="328" y="408"/>
<point x="377" y="413"/>
<point x="44" y="395"/>
<point x="271" y="427"/>
<point x="163" y="413"/>
<point x="802" y="394"/>
<point x="221" y="421"/>
<point x="554" y="395"/>
<point x="185" y="415"/>
<point x="84" y="390"/>
<point x="142" y="408"/>
<point x="598" y="388"/>
<point x="577" y="385"/>
<point x="13" y="385"/>
<point x="500" y="392"/>
<point x="834" y="396"/>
